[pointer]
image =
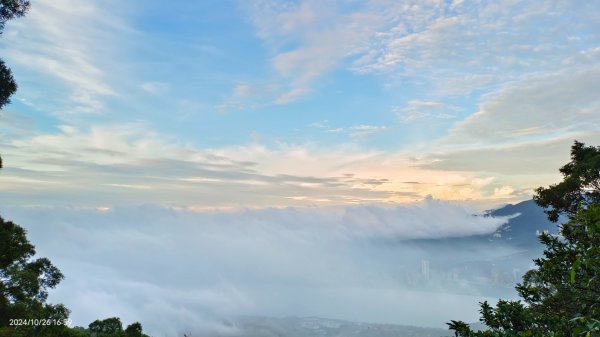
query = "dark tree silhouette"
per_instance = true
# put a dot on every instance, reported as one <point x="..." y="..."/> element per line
<point x="10" y="9"/>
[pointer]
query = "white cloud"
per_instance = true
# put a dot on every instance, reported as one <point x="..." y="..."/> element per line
<point x="425" y="105"/>
<point x="356" y="131"/>
<point x="503" y="192"/>
<point x="67" y="44"/>
<point x="323" y="34"/>
<point x="364" y="130"/>
<point x="176" y="269"/>
<point x="155" y="88"/>
<point x="138" y="187"/>
<point x="459" y="46"/>
<point x="107" y="164"/>
<point x="109" y="158"/>
<point x="410" y="116"/>
<point x="243" y="89"/>
<point x="290" y="96"/>
<point x="423" y="110"/>
<point x="541" y="105"/>
<point x="522" y="166"/>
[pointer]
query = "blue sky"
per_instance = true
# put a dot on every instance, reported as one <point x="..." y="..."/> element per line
<point x="276" y="103"/>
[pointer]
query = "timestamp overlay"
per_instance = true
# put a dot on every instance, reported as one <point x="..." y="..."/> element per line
<point x="38" y="322"/>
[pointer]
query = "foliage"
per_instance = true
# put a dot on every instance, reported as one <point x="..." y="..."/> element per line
<point x="8" y="86"/>
<point x="580" y="186"/>
<point x="135" y="330"/>
<point x="112" y="327"/>
<point x="560" y="297"/>
<point x="24" y="284"/>
<point x="23" y="280"/>
<point x="106" y="328"/>
<point x="9" y="9"/>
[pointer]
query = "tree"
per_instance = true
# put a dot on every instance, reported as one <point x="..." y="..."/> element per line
<point x="8" y="86"/>
<point x="580" y="186"/>
<point x="560" y="296"/>
<point x="23" y="281"/>
<point x="9" y="9"/>
<point x="135" y="330"/>
<point x="24" y="284"/>
<point x="109" y="327"/>
<point x="112" y="327"/>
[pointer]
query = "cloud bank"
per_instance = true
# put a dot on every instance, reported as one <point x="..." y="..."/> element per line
<point x="179" y="269"/>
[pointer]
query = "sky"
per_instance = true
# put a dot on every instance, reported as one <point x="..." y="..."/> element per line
<point x="221" y="104"/>
<point x="400" y="117"/>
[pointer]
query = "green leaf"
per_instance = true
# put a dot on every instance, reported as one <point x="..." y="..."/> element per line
<point x="576" y="265"/>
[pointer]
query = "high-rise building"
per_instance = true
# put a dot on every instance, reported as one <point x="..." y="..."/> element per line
<point x="425" y="270"/>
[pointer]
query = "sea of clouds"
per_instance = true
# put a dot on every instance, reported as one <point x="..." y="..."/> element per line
<point x="175" y="269"/>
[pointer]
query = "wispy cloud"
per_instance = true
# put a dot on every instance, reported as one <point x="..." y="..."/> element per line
<point x="155" y="88"/>
<point x="45" y="42"/>
<point x="418" y="109"/>
<point x="118" y="163"/>
<point x="364" y="130"/>
<point x="356" y="131"/>
<point x="537" y="106"/>
<point x="324" y="36"/>
<point x="460" y="46"/>
<point x="528" y="165"/>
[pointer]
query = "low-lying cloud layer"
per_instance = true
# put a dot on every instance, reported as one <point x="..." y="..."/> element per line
<point x="178" y="269"/>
